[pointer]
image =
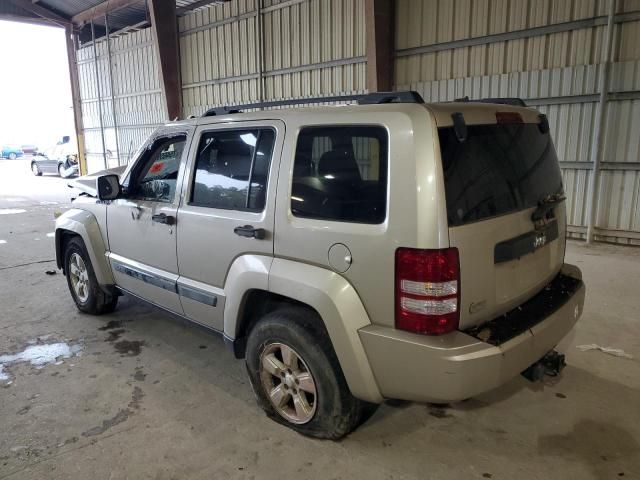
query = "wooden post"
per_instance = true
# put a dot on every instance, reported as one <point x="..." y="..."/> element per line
<point x="380" y="26"/>
<point x="165" y="39"/>
<point x="75" y="96"/>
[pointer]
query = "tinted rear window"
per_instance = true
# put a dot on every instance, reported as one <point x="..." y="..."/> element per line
<point x="340" y="174"/>
<point x="499" y="169"/>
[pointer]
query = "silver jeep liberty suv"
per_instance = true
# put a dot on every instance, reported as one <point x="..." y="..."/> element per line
<point x="382" y="249"/>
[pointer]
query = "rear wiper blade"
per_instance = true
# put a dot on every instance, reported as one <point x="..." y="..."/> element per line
<point x="546" y="204"/>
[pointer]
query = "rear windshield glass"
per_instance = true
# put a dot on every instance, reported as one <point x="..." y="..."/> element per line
<point x="498" y="169"/>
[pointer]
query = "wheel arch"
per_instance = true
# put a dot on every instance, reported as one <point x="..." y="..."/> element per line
<point x="84" y="224"/>
<point x="288" y="283"/>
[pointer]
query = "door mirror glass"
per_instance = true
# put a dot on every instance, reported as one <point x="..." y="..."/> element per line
<point x="108" y="187"/>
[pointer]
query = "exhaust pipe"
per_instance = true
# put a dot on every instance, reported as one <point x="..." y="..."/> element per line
<point x="551" y="364"/>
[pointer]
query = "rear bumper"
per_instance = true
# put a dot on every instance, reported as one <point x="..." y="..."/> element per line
<point x="457" y="366"/>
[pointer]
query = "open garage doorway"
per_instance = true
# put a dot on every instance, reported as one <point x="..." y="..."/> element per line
<point x="37" y="137"/>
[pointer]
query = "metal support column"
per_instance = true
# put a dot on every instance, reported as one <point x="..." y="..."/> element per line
<point x="95" y="58"/>
<point x="599" y="128"/>
<point x="379" y="25"/>
<point x="113" y="100"/>
<point x="260" y="51"/>
<point x="75" y="96"/>
<point x="164" y="25"/>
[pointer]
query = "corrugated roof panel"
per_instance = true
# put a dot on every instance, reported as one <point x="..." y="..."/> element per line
<point x="9" y="8"/>
<point x="70" y="7"/>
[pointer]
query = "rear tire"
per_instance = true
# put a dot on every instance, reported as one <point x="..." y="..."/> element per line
<point x="82" y="282"/>
<point x="61" y="170"/>
<point x="12" y="156"/>
<point x="36" y="170"/>
<point x="297" y="378"/>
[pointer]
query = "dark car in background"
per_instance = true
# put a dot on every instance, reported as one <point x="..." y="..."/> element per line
<point x="61" y="159"/>
<point x="29" y="149"/>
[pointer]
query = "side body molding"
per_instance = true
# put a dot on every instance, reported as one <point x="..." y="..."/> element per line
<point x="84" y="223"/>
<point x="343" y="314"/>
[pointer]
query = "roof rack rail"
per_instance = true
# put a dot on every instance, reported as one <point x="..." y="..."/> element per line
<point x="278" y="103"/>
<point x="361" y="99"/>
<point x="500" y="101"/>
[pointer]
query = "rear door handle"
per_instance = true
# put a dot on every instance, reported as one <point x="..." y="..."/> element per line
<point x="164" y="218"/>
<point x="249" y="232"/>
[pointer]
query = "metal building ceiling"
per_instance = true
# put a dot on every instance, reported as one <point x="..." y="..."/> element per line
<point x="132" y="15"/>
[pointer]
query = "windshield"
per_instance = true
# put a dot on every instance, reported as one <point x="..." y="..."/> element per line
<point x="498" y="169"/>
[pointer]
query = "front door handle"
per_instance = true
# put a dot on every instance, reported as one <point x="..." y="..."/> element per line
<point x="249" y="232"/>
<point x="136" y="212"/>
<point x="164" y="218"/>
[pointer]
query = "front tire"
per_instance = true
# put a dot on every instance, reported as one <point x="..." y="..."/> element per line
<point x="36" y="171"/>
<point x="82" y="282"/>
<point x="12" y="156"/>
<point x="297" y="378"/>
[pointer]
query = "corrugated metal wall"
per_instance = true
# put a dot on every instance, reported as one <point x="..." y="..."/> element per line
<point x="546" y="51"/>
<point x="131" y="110"/>
<point x="448" y="49"/>
<point x="295" y="48"/>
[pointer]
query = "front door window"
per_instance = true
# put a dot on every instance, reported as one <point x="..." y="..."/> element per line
<point x="158" y="175"/>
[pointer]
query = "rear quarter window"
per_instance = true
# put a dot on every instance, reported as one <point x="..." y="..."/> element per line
<point x="340" y="174"/>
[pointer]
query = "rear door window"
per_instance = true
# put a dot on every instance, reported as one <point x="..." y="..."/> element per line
<point x="340" y="174"/>
<point x="498" y="169"/>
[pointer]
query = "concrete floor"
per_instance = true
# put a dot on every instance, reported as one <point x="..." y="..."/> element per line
<point x="177" y="405"/>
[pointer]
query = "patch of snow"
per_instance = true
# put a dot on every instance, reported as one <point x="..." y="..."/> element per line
<point x="11" y="211"/>
<point x="51" y="234"/>
<point x="2" y="241"/>
<point x="39" y="355"/>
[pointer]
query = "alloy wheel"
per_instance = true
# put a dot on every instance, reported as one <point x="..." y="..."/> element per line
<point x="288" y="383"/>
<point x="79" y="277"/>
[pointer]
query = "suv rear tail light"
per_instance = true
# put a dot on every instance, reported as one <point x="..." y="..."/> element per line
<point x="427" y="290"/>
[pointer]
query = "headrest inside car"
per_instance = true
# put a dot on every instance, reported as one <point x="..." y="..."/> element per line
<point x="340" y="164"/>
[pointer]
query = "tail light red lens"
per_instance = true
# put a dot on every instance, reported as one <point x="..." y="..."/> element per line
<point x="427" y="290"/>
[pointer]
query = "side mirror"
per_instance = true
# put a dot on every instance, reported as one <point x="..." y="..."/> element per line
<point x="108" y="187"/>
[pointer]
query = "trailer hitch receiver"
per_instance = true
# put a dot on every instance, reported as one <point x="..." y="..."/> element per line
<point x="551" y="364"/>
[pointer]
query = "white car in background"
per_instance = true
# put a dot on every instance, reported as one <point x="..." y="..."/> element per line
<point x="61" y="159"/>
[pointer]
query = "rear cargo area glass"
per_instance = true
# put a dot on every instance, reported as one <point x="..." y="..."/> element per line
<point x="498" y="169"/>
